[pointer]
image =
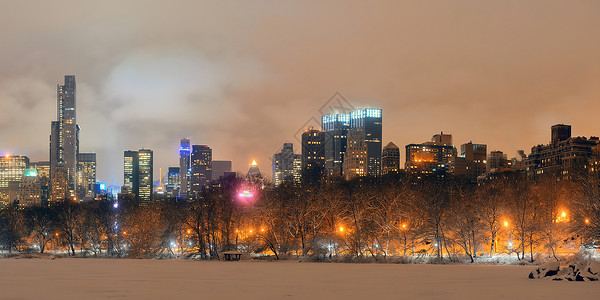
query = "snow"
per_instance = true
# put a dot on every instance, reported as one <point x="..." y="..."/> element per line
<point x="87" y="278"/>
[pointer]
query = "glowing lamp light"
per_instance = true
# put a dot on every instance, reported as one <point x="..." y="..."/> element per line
<point x="564" y="214"/>
<point x="116" y="205"/>
<point x="254" y="164"/>
<point x="505" y="223"/>
<point x="245" y="194"/>
<point x="587" y="221"/>
<point x="341" y="229"/>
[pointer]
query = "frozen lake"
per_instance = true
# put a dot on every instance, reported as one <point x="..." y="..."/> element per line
<point x="174" y="279"/>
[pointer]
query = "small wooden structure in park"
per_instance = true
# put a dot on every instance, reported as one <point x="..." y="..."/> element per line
<point x="232" y="255"/>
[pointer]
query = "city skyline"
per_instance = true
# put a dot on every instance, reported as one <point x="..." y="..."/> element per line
<point x="481" y="86"/>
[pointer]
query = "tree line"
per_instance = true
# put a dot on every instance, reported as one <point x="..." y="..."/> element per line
<point x="378" y="218"/>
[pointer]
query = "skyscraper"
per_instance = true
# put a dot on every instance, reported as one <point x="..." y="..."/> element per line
<point x="64" y="137"/>
<point x="86" y="175"/>
<point x="367" y="127"/>
<point x="335" y="127"/>
<point x="285" y="165"/>
<point x="390" y="159"/>
<point x="355" y="159"/>
<point x="313" y="155"/>
<point x="173" y="183"/>
<point x="185" y="150"/>
<point x="138" y="174"/>
<point x="201" y="168"/>
<point x="43" y="169"/>
<point x="12" y="168"/>
<point x="146" y="176"/>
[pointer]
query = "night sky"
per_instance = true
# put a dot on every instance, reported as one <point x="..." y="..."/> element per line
<point x="244" y="77"/>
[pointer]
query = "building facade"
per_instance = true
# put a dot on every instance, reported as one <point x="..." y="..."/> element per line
<point x="138" y="174"/>
<point x="86" y="175"/>
<point x="390" y="159"/>
<point x="565" y="157"/>
<point x="201" y="168"/>
<point x="355" y="160"/>
<point x="335" y="128"/>
<point x="433" y="158"/>
<point x="30" y="189"/>
<point x="472" y="161"/>
<point x="64" y="137"/>
<point x="313" y="155"/>
<point x="285" y="165"/>
<point x="12" y="168"/>
<point x="368" y="122"/>
<point x="185" y="150"/>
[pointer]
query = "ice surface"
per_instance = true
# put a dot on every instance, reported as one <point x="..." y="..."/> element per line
<point x="68" y="278"/>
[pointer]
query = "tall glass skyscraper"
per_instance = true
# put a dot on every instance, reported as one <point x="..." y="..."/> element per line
<point x="138" y="174"/>
<point x="366" y="127"/>
<point x="64" y="138"/>
<point x="335" y="127"/>
<point x="185" y="149"/>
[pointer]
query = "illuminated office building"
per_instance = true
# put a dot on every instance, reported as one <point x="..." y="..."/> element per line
<point x="432" y="158"/>
<point x="365" y="132"/>
<point x="86" y="175"/>
<point x="390" y="159"/>
<point x="287" y="166"/>
<point x="201" y="169"/>
<point x="30" y="189"/>
<point x="185" y="150"/>
<point x="138" y="174"/>
<point x="313" y="155"/>
<point x="12" y="168"/>
<point x="335" y="128"/>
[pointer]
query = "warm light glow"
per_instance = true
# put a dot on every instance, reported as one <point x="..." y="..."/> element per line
<point x="341" y="229"/>
<point x="189" y="231"/>
<point x="245" y="194"/>
<point x="250" y="230"/>
<point x="254" y="163"/>
<point x="564" y="214"/>
<point x="587" y="221"/>
<point x="262" y="229"/>
<point x="505" y="223"/>
<point x="403" y="225"/>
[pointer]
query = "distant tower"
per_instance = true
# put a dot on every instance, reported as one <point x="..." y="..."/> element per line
<point x="86" y="175"/>
<point x="284" y="164"/>
<point x="64" y="140"/>
<point x="390" y="159"/>
<point x="201" y="168"/>
<point x="138" y="174"/>
<point x="185" y="150"/>
<point x="366" y="125"/>
<point x="253" y="172"/>
<point x="12" y="168"/>
<point x="335" y="127"/>
<point x="560" y="132"/>
<point x="313" y="155"/>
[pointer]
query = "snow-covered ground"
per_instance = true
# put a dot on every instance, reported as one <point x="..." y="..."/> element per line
<point x="70" y="278"/>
